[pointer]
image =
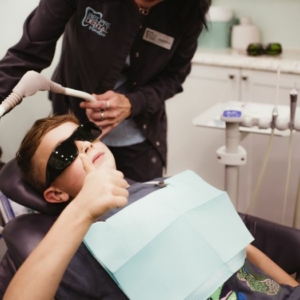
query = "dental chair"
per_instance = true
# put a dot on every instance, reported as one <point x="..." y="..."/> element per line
<point x="23" y="233"/>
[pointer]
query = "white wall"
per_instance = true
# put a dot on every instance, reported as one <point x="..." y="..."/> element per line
<point x="278" y="19"/>
<point x="14" y="125"/>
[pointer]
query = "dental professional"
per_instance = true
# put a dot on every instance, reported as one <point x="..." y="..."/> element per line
<point x="131" y="54"/>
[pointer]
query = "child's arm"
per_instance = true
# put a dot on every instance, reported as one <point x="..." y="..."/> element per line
<point x="263" y="262"/>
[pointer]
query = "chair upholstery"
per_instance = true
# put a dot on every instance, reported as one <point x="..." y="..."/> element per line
<point x="23" y="234"/>
<point x="15" y="187"/>
<point x="281" y="243"/>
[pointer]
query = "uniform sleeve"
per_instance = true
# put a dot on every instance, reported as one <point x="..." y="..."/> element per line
<point x="149" y="98"/>
<point x="36" y="48"/>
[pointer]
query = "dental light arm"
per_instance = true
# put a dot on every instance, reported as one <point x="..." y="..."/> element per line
<point x="31" y="83"/>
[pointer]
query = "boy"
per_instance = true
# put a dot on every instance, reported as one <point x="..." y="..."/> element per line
<point x="65" y="161"/>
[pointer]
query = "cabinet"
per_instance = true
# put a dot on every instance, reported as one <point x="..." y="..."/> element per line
<point x="195" y="148"/>
<point x="260" y="86"/>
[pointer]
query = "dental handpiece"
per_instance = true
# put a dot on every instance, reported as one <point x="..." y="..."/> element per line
<point x="31" y="83"/>
<point x="293" y="107"/>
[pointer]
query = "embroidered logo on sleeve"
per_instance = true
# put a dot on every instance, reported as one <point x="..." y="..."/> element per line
<point x="95" y="22"/>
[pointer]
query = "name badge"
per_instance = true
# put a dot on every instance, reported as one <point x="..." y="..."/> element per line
<point x="158" y="38"/>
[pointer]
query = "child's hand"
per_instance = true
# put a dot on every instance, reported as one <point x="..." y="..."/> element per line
<point x="103" y="189"/>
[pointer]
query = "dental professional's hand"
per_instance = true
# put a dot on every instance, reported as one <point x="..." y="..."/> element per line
<point x="103" y="189"/>
<point x="108" y="111"/>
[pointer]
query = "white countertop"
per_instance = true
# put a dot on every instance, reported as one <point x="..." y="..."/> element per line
<point x="289" y="60"/>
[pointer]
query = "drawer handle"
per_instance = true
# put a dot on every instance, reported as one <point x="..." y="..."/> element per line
<point x="231" y="76"/>
<point x="245" y="78"/>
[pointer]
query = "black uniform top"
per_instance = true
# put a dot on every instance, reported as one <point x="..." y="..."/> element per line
<point x="98" y="36"/>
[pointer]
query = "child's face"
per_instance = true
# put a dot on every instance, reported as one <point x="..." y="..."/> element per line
<point x="71" y="179"/>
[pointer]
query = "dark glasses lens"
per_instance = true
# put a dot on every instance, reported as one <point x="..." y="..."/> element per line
<point x="86" y="132"/>
<point x="66" y="152"/>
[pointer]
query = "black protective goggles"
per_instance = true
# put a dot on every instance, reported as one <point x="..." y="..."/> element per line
<point x="66" y="152"/>
<point x="272" y="49"/>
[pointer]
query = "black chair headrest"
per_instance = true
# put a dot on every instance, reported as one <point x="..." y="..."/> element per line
<point x="15" y="187"/>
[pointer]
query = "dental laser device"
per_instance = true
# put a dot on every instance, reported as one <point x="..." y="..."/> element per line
<point x="31" y="83"/>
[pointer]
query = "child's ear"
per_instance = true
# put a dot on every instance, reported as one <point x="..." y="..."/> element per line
<point x="55" y="195"/>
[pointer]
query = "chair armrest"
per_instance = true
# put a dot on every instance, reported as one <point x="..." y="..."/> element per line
<point x="23" y="233"/>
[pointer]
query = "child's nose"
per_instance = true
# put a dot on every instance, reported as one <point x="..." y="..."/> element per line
<point x="83" y="146"/>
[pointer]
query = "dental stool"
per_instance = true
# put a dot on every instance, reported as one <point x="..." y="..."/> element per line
<point x="22" y="234"/>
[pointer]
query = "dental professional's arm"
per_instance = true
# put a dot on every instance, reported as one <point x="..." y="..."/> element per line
<point x="263" y="262"/>
<point x="36" y="48"/>
<point x="40" y="275"/>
